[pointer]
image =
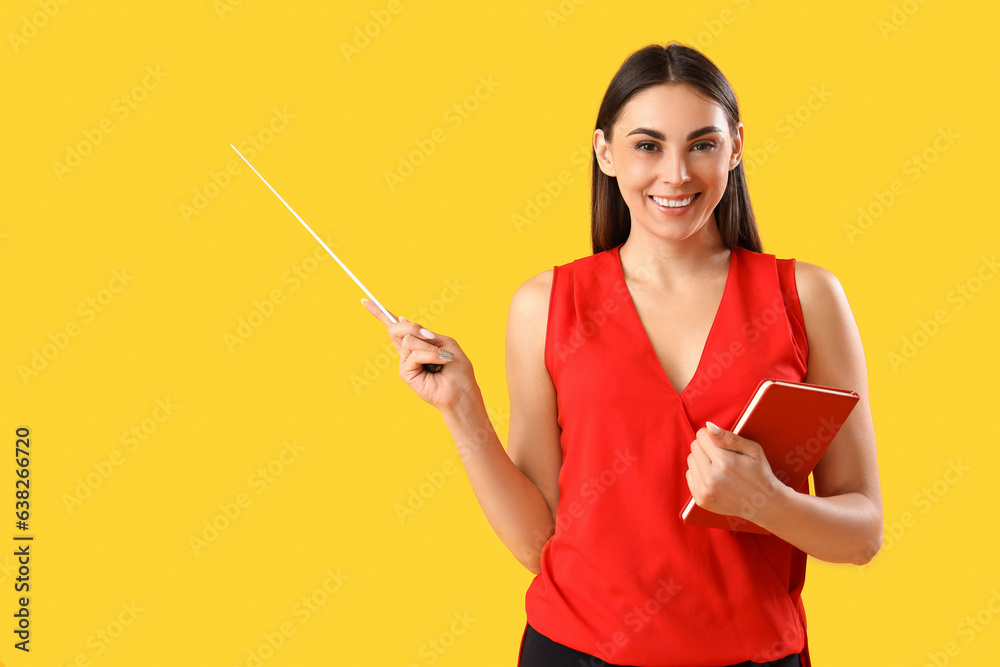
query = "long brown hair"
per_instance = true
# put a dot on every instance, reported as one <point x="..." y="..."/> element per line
<point x="652" y="65"/>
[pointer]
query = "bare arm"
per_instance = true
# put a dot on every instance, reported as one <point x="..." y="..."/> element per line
<point x="842" y="523"/>
<point x="517" y="492"/>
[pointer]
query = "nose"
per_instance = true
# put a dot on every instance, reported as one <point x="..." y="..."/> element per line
<point x="673" y="168"/>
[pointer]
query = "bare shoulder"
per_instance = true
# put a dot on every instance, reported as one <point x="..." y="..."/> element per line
<point x="812" y="280"/>
<point x="529" y="305"/>
<point x="836" y="353"/>
<point x="821" y="295"/>
<point x="538" y="285"/>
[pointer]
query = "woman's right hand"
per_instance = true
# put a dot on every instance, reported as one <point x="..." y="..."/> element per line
<point x="445" y="389"/>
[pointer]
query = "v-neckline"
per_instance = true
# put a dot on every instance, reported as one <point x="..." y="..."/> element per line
<point x="649" y="343"/>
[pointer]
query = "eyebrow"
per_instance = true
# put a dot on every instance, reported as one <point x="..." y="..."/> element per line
<point x="708" y="129"/>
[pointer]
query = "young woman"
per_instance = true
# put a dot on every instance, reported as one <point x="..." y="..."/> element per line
<point x="619" y="366"/>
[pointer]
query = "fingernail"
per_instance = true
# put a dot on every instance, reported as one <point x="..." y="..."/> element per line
<point x="425" y="333"/>
<point x="363" y="301"/>
<point x="713" y="428"/>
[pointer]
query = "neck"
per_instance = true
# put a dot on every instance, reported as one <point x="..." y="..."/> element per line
<point x="663" y="264"/>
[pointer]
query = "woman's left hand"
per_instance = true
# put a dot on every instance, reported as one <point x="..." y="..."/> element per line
<point x="730" y="475"/>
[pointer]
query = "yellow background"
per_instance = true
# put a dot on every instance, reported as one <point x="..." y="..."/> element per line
<point x="441" y="247"/>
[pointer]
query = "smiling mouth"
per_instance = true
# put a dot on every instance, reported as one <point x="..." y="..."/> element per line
<point x="675" y="202"/>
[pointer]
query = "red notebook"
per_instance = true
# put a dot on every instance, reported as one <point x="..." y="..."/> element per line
<point x="793" y="422"/>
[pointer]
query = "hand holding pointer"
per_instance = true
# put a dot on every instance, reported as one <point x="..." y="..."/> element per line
<point x="418" y="349"/>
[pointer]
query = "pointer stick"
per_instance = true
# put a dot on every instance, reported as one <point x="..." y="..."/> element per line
<point x="432" y="368"/>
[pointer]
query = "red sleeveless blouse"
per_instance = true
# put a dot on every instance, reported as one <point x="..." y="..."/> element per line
<point x="623" y="577"/>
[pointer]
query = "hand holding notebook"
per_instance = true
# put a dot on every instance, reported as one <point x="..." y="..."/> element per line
<point x="794" y="423"/>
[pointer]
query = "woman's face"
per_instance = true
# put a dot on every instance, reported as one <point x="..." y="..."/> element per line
<point x="670" y="143"/>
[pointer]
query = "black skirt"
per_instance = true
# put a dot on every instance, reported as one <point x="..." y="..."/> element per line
<point x="537" y="650"/>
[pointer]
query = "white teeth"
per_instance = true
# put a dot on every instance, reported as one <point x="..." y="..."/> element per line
<point x="674" y="204"/>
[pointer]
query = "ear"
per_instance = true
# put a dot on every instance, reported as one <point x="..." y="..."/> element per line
<point x="602" y="151"/>
<point x="737" y="155"/>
